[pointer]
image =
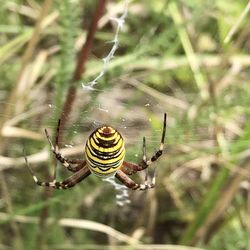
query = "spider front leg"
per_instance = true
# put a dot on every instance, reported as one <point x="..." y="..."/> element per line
<point x="158" y="153"/>
<point x="55" y="149"/>
<point x="131" y="168"/>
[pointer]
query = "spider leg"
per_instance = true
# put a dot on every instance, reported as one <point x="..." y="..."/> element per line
<point x="160" y="150"/>
<point x="128" y="182"/>
<point x="65" y="162"/>
<point x="131" y="168"/>
<point x="144" y="159"/>
<point x="67" y="183"/>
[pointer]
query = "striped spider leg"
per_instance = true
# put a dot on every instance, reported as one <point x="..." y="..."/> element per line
<point x="80" y="169"/>
<point x="67" y="163"/>
<point x="131" y="168"/>
<point x="67" y="183"/>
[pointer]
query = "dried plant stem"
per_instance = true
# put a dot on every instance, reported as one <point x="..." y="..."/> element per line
<point x="80" y="66"/>
<point x="226" y="196"/>
<point x="189" y="50"/>
<point x="236" y="25"/>
<point x="43" y="220"/>
<point x="9" y="208"/>
<point x="25" y="59"/>
<point x="70" y="98"/>
<point x="77" y="224"/>
<point x="9" y="109"/>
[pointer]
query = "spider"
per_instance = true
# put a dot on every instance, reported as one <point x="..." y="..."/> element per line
<point x="104" y="156"/>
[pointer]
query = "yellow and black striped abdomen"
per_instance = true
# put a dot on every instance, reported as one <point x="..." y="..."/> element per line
<point x="105" y="151"/>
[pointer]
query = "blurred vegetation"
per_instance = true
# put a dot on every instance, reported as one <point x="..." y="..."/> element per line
<point x="187" y="58"/>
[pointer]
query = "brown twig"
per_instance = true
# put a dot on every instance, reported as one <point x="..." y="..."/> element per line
<point x="70" y="98"/>
<point x="80" y="66"/>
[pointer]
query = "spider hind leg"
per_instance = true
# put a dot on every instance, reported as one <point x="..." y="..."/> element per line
<point x="128" y="182"/>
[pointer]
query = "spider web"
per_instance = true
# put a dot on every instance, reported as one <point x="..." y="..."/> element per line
<point x="122" y="196"/>
<point x="133" y="120"/>
<point x="129" y="108"/>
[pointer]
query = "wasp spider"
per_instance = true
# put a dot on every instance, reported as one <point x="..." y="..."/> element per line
<point x="104" y="156"/>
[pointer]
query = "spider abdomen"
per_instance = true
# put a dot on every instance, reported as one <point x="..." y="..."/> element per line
<point x="104" y="151"/>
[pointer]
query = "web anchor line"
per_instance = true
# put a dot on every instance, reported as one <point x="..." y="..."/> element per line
<point x="106" y="60"/>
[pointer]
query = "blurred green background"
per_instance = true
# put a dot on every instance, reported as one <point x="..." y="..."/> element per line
<point x="187" y="58"/>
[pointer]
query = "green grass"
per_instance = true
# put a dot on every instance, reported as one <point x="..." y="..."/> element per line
<point x="190" y="60"/>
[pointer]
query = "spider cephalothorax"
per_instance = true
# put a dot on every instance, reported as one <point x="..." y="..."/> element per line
<point x="104" y="156"/>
